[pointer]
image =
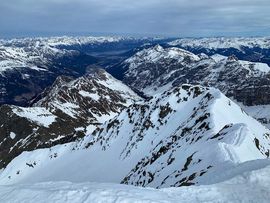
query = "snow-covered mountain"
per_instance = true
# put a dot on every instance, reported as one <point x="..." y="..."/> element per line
<point x="70" y="109"/>
<point x="85" y="132"/>
<point x="157" y="69"/>
<point x="29" y="65"/>
<point x="92" y="98"/>
<point x="224" y="42"/>
<point x="255" y="49"/>
<point x="189" y="135"/>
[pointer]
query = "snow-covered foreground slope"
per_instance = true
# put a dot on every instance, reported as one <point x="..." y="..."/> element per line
<point x="251" y="186"/>
<point x="190" y="135"/>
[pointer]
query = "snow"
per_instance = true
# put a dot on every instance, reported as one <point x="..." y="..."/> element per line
<point x="68" y="108"/>
<point x="262" y="67"/>
<point x="65" y="40"/>
<point x="39" y="115"/>
<point x="251" y="186"/>
<point x="223" y="43"/>
<point x="116" y="85"/>
<point x="12" y="135"/>
<point x="120" y="150"/>
<point x="155" y="54"/>
<point x="250" y="66"/>
<point x="94" y="96"/>
<point x="28" y="52"/>
<point x="259" y="112"/>
<point x="74" y="172"/>
<point x="217" y="57"/>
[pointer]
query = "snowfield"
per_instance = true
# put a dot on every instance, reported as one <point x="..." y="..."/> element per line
<point x="250" y="187"/>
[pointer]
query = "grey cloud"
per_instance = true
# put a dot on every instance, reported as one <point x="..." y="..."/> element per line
<point x="145" y="17"/>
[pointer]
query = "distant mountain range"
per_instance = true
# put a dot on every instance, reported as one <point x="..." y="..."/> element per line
<point x="254" y="49"/>
<point x="28" y="66"/>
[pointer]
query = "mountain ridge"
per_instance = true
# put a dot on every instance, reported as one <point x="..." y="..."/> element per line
<point x="150" y="144"/>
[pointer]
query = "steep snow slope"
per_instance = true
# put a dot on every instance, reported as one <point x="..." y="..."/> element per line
<point x="251" y="186"/>
<point x="68" y="110"/>
<point x="189" y="135"/>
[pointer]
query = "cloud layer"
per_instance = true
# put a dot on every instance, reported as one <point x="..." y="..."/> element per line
<point x="145" y="17"/>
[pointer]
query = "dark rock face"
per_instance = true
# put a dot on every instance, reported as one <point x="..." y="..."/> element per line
<point x="254" y="92"/>
<point x="63" y="115"/>
<point x="18" y="134"/>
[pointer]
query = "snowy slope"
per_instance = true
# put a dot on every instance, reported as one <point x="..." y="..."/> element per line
<point x="69" y="110"/>
<point x="39" y="115"/>
<point x="251" y="186"/>
<point x="189" y="135"/>
<point x="151" y="68"/>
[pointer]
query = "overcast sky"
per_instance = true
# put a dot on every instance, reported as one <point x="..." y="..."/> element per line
<point x="181" y="18"/>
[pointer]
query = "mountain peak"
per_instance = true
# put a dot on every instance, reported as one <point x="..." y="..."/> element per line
<point x="184" y="136"/>
<point x="69" y="110"/>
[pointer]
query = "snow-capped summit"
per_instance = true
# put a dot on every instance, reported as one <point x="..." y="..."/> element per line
<point x="189" y="135"/>
<point x="147" y="66"/>
<point x="156" y="53"/>
<point x="93" y="96"/>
